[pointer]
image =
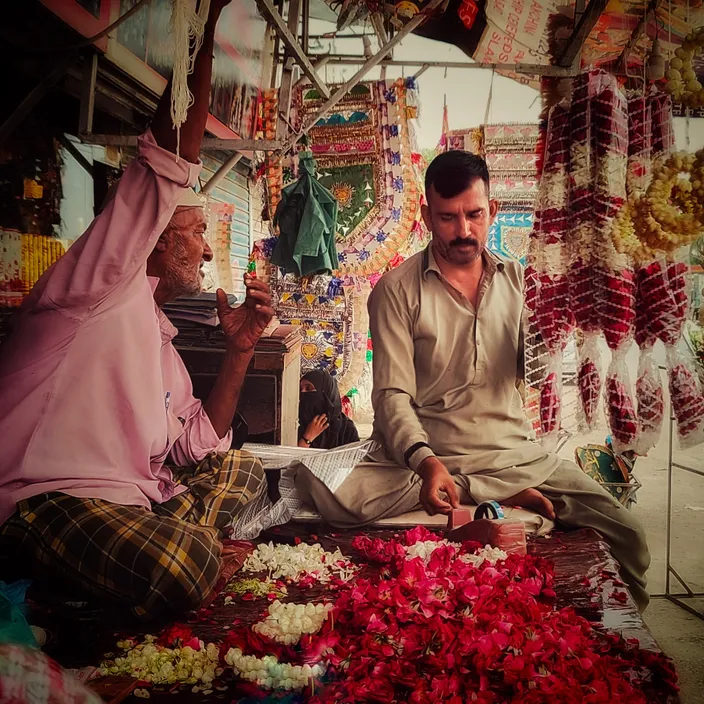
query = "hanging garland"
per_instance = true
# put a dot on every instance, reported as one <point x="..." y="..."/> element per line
<point x="682" y="83"/>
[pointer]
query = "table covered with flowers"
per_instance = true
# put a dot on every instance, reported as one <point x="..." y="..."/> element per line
<point x="403" y="617"/>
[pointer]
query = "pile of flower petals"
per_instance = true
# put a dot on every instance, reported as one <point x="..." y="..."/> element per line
<point x="447" y="630"/>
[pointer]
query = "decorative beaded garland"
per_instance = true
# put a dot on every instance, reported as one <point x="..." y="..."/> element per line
<point x="682" y="81"/>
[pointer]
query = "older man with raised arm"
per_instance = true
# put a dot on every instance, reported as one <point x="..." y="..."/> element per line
<point x="94" y="399"/>
<point x="446" y="329"/>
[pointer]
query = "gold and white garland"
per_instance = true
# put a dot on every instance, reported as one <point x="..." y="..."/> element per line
<point x="669" y="215"/>
<point x="286" y="623"/>
<point x="682" y="81"/>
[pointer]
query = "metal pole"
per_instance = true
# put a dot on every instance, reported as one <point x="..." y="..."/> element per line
<point x="370" y="64"/>
<point x="528" y="69"/>
<point x="220" y="174"/>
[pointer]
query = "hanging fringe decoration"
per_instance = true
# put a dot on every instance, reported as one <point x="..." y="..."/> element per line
<point x="187" y="25"/>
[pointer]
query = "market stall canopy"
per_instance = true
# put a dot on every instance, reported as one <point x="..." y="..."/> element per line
<point x="539" y="31"/>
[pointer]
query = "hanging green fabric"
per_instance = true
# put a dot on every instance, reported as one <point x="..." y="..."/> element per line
<point x="307" y="220"/>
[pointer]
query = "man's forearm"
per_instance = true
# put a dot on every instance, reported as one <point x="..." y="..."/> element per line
<point x="222" y="402"/>
<point x="199" y="81"/>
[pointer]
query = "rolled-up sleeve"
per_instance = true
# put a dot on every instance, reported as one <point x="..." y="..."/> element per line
<point x="120" y="239"/>
<point x="199" y="438"/>
<point x="395" y="378"/>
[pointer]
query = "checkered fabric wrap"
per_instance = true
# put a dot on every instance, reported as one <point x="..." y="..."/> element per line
<point x="158" y="562"/>
<point x="30" y="677"/>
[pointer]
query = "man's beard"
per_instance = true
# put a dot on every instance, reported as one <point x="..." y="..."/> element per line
<point x="180" y="277"/>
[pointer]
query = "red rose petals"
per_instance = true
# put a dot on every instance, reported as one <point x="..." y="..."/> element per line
<point x="687" y="400"/>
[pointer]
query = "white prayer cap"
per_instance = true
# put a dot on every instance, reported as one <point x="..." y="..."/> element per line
<point x="190" y="199"/>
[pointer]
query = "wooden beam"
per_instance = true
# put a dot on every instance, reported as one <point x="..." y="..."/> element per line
<point x="642" y="25"/>
<point x="287" y="81"/>
<point x="90" y="77"/>
<point x="375" y="60"/>
<point x="209" y="144"/>
<point x="585" y="25"/>
<point x="273" y="17"/>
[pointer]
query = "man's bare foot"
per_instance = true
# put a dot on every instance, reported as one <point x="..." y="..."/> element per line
<point x="534" y="500"/>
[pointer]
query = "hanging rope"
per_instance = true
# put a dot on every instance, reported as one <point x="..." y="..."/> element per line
<point x="187" y="26"/>
<point x="488" y="100"/>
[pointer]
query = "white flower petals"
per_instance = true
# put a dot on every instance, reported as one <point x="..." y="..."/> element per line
<point x="295" y="562"/>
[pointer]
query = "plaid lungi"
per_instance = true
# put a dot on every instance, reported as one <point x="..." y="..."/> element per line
<point x="157" y="562"/>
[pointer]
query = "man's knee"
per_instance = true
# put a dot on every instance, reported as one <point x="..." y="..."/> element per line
<point x="244" y="474"/>
<point x="187" y="578"/>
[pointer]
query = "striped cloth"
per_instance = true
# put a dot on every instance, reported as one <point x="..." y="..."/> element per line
<point x="160" y="562"/>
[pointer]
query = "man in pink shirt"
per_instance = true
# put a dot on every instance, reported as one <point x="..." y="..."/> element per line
<point x="94" y="398"/>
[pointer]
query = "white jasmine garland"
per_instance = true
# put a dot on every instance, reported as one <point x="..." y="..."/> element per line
<point x="286" y="623"/>
<point x="297" y="561"/>
<point x="154" y="663"/>
<point x="269" y="673"/>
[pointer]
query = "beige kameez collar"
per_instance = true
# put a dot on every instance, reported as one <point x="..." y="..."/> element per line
<point x="492" y="263"/>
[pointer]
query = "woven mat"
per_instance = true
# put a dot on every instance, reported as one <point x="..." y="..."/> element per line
<point x="583" y="570"/>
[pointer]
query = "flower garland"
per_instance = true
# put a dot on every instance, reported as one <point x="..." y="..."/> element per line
<point x="249" y="589"/>
<point x="303" y="564"/>
<point x="546" y="283"/>
<point x="286" y="623"/>
<point x="682" y="81"/>
<point x="269" y="673"/>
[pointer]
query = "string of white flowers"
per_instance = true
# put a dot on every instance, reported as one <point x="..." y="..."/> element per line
<point x="425" y="548"/>
<point x="295" y="562"/>
<point x="286" y="623"/>
<point x="269" y="673"/>
<point x="157" y="664"/>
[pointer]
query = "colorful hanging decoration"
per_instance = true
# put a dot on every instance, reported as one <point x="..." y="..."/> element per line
<point x="273" y="169"/>
<point x="23" y="259"/>
<point x="682" y="82"/>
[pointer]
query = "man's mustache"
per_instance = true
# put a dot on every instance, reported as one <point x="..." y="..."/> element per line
<point x="459" y="242"/>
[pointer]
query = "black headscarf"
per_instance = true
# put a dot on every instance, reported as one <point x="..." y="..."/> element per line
<point x="325" y="400"/>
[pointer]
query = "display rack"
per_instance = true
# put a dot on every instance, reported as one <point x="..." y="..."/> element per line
<point x="679" y="599"/>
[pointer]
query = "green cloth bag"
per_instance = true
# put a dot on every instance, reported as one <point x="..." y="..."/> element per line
<point x="14" y="628"/>
<point x="307" y="221"/>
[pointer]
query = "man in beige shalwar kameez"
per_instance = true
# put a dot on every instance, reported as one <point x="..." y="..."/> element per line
<point x="446" y="328"/>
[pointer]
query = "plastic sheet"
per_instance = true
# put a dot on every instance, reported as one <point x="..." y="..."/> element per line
<point x="589" y="382"/>
<point x="651" y="402"/>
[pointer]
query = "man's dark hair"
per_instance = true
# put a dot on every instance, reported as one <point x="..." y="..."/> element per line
<point x="455" y="171"/>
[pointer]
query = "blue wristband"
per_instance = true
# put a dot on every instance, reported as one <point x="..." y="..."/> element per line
<point x="489" y="509"/>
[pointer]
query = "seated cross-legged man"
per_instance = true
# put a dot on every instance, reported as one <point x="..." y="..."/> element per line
<point x="96" y="404"/>
<point x="446" y="329"/>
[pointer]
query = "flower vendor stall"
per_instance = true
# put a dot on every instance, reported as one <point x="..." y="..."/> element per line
<point x="404" y="616"/>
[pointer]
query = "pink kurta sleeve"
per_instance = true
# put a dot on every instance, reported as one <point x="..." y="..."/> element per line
<point x="199" y="438"/>
<point x="117" y="244"/>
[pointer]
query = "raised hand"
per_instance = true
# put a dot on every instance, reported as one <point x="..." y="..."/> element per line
<point x="244" y="324"/>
